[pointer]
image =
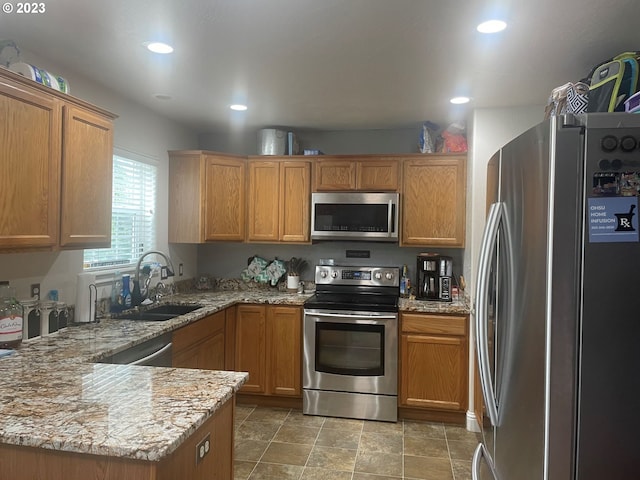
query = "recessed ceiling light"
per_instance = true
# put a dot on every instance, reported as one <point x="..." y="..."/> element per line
<point x="492" y="26"/>
<point x="460" y="100"/>
<point x="238" y="108"/>
<point x="158" y="47"/>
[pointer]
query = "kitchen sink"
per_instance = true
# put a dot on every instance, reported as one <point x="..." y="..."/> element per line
<point x="160" y="313"/>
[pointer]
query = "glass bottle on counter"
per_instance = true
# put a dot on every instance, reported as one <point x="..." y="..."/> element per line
<point x="10" y="318"/>
<point x="405" y="283"/>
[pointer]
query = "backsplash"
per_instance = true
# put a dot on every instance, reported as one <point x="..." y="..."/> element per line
<point x="227" y="260"/>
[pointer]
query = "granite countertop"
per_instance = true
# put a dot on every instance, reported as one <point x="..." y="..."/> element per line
<point x="457" y="307"/>
<point x="53" y="395"/>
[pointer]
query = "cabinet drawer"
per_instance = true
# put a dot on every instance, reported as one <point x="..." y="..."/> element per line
<point x="195" y="332"/>
<point x="434" y="324"/>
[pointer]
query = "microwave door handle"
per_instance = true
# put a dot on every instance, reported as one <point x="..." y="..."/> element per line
<point x="390" y="220"/>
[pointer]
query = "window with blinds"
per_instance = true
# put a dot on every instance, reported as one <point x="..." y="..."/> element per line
<point x="133" y="224"/>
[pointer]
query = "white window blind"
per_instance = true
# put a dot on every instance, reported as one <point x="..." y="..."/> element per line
<point x="133" y="221"/>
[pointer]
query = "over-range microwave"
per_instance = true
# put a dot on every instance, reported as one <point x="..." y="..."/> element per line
<point x="354" y="216"/>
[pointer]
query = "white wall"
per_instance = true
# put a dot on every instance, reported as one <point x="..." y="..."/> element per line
<point x="136" y="129"/>
<point x="330" y="142"/>
<point x="490" y="129"/>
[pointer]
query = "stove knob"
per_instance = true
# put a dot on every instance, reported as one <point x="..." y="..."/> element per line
<point x="323" y="274"/>
<point x="609" y="143"/>
<point x="627" y="143"/>
<point x="377" y="275"/>
<point x="334" y="274"/>
<point x="388" y="275"/>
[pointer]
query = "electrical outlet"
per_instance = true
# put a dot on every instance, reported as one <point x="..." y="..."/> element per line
<point x="164" y="273"/>
<point x="180" y="270"/>
<point x="35" y="291"/>
<point x="202" y="448"/>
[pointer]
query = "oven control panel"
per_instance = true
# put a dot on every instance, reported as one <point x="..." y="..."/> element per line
<point x="357" y="275"/>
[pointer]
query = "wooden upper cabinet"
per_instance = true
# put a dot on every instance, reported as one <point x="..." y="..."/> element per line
<point x="343" y="173"/>
<point x="263" y="208"/>
<point x="206" y="196"/>
<point x="433" y="201"/>
<point x="52" y="197"/>
<point x="279" y="201"/>
<point x="30" y="143"/>
<point x="224" y="198"/>
<point x="334" y="175"/>
<point x="377" y="175"/>
<point x="87" y="171"/>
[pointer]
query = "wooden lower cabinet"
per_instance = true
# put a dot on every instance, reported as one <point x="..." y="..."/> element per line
<point x="201" y="344"/>
<point x="27" y="463"/>
<point x="434" y="363"/>
<point x="284" y="350"/>
<point x="251" y="344"/>
<point x="269" y="347"/>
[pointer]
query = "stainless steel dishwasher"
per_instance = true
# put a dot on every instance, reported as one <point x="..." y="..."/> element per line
<point x="155" y="352"/>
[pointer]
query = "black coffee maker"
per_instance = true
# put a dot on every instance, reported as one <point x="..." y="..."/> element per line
<point x="434" y="277"/>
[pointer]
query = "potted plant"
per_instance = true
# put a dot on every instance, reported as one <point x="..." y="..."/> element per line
<point x="295" y="267"/>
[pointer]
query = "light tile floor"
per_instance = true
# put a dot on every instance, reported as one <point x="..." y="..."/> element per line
<point x="284" y="444"/>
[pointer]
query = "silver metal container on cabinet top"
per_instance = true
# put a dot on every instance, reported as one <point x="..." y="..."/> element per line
<point x="272" y="141"/>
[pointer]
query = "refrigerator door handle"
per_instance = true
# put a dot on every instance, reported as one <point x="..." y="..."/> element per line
<point x="489" y="239"/>
<point x="475" y="462"/>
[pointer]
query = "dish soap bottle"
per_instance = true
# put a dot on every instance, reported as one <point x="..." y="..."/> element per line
<point x="126" y="291"/>
<point x="116" y="293"/>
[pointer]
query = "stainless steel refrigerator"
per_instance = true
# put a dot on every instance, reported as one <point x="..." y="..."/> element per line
<point x="558" y="304"/>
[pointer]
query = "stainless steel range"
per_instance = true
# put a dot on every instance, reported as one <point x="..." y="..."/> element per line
<point x="350" y="366"/>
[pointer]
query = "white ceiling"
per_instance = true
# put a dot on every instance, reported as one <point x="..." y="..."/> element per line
<point x="326" y="64"/>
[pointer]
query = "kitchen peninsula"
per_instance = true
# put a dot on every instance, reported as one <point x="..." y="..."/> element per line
<point x="64" y="416"/>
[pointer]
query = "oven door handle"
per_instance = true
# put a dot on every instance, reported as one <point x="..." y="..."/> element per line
<point x="350" y="315"/>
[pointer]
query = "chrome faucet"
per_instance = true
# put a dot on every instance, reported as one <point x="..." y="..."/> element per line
<point x="144" y="289"/>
